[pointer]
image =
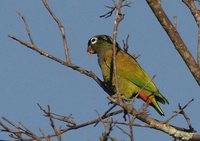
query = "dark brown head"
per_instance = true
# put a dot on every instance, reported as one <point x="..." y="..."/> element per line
<point x="99" y="43"/>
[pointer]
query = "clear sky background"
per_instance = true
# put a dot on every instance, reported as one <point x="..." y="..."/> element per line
<point x="27" y="78"/>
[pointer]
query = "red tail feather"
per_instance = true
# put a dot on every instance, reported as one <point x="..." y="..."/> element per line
<point x="144" y="97"/>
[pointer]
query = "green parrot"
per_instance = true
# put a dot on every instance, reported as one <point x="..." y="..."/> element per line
<point x="131" y="77"/>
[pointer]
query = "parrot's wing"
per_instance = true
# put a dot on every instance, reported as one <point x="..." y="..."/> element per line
<point x="128" y="68"/>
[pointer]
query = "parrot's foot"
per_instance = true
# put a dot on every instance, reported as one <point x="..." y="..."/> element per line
<point x="125" y="114"/>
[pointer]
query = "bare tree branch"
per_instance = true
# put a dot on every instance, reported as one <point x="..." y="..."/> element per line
<point x="198" y="47"/>
<point x="126" y="46"/>
<point x="19" y="131"/>
<point x="68" y="64"/>
<point x="66" y="119"/>
<point x="176" y="39"/>
<point x="118" y="18"/>
<point x="176" y="113"/>
<point x="113" y="8"/>
<point x="175" y="132"/>
<point x="114" y="105"/>
<point x="124" y="131"/>
<point x="186" y="118"/>
<point x="27" y="28"/>
<point x="196" y="14"/>
<point x="47" y="138"/>
<point x="56" y="131"/>
<point x="108" y="125"/>
<point x="131" y="120"/>
<point x="62" y="30"/>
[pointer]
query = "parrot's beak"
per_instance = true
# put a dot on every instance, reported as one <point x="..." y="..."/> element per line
<point x="90" y="50"/>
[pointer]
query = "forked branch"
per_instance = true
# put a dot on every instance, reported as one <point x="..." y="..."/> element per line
<point x="176" y="39"/>
<point x="196" y="14"/>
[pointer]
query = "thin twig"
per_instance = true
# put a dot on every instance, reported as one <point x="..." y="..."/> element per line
<point x="176" y="113"/>
<point x="108" y="125"/>
<point x="118" y="18"/>
<point x="27" y="28"/>
<point x="62" y="30"/>
<point x="56" y="131"/>
<point x="16" y="134"/>
<point x="21" y="129"/>
<point x="126" y="46"/>
<point x="113" y="8"/>
<point x="114" y="105"/>
<point x="196" y="14"/>
<point x="143" y="88"/>
<point x="67" y="119"/>
<point x="130" y="127"/>
<point x="43" y="134"/>
<point x="130" y="124"/>
<point x="186" y="118"/>
<point x="29" y="133"/>
<point x="198" y="47"/>
<point x="94" y="121"/>
<point x="109" y="13"/>
<point x="175" y="21"/>
<point x="123" y="131"/>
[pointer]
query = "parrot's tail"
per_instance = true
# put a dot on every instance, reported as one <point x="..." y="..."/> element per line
<point x="156" y="106"/>
<point x="149" y="98"/>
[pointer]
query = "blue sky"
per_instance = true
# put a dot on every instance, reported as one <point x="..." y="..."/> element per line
<point x="27" y="78"/>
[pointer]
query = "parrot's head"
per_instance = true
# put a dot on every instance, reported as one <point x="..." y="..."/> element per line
<point x="99" y="43"/>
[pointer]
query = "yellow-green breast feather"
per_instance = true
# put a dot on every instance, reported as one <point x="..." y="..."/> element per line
<point x="129" y="69"/>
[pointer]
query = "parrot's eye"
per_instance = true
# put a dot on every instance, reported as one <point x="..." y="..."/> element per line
<point x="93" y="40"/>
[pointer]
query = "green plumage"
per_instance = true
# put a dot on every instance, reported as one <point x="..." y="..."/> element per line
<point x="132" y="78"/>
